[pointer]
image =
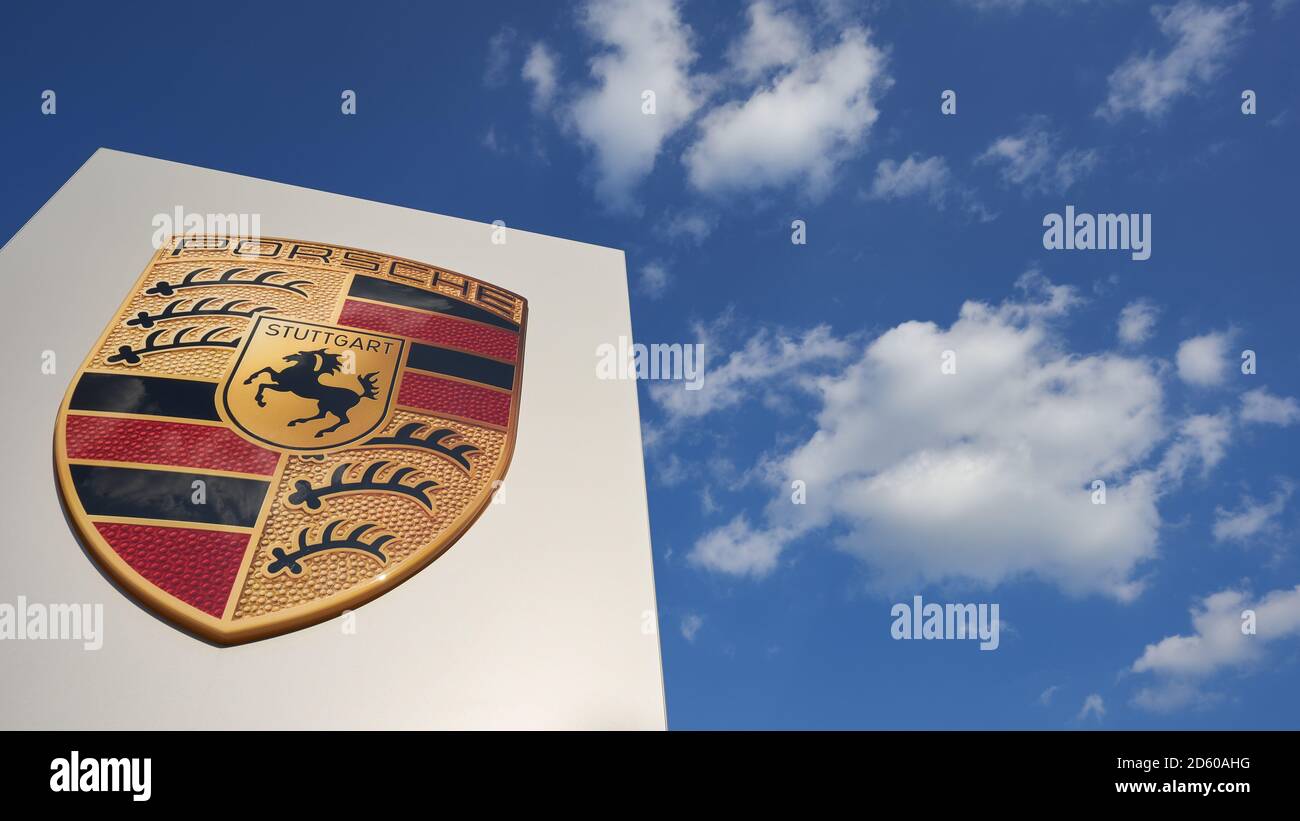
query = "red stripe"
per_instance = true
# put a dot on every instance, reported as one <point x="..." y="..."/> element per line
<point x="439" y="395"/>
<point x="205" y="447"/>
<point x="434" y="329"/>
<point x="196" y="566"/>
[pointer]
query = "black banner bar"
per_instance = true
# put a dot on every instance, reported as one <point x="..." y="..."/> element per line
<point x="895" y="773"/>
<point x="395" y="293"/>
<point x="461" y="365"/>
<point x="165" y="494"/>
<point x="127" y="393"/>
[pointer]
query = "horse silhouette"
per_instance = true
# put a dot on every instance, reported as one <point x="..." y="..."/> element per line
<point x="303" y="379"/>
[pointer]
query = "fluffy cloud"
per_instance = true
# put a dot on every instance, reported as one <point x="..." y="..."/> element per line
<point x="774" y="39"/>
<point x="738" y="549"/>
<point x="1202" y="439"/>
<point x="1034" y="160"/>
<point x="794" y="110"/>
<point x="1182" y="663"/>
<point x="646" y="47"/>
<point x="1253" y="518"/>
<point x="541" y="72"/>
<point x="930" y="178"/>
<point x="1093" y="707"/>
<point x="653" y="281"/>
<point x="1172" y="695"/>
<point x="982" y="475"/>
<point x="1203" y="360"/>
<point x="691" y="624"/>
<point x="797" y="128"/>
<point x="692" y="226"/>
<point x="1136" y="322"/>
<point x="1201" y="36"/>
<point x="1259" y="405"/>
<point x="911" y="177"/>
<point x="500" y="46"/>
<point x="767" y="360"/>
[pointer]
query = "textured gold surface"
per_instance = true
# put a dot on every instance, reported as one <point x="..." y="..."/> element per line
<point x="324" y="293"/>
<point x="415" y="527"/>
<point x="263" y="603"/>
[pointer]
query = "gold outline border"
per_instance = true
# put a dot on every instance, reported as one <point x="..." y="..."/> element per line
<point x="227" y="631"/>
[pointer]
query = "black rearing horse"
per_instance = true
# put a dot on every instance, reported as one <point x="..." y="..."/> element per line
<point x="303" y="379"/>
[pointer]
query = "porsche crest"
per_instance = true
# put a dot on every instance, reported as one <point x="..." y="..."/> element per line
<point x="270" y="432"/>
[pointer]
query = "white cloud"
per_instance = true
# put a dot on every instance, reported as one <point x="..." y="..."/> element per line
<point x="795" y="129"/>
<point x="799" y="112"/>
<point x="1074" y="165"/>
<point x="500" y="46"/>
<point x="688" y="225"/>
<point x="775" y="38"/>
<point x="766" y="358"/>
<point x="1201" y="439"/>
<point x="911" y="177"/>
<point x="653" y="280"/>
<point x="1203" y="360"/>
<point x="541" y="71"/>
<point x="670" y="469"/>
<point x="1259" y="405"/>
<point x="1033" y="159"/>
<point x="929" y="177"/>
<point x="647" y="47"/>
<point x="1181" y="664"/>
<point x="738" y="550"/>
<point x="691" y="624"/>
<point x="1253" y="518"/>
<point x="1136" y="322"/>
<point x="1172" y="695"/>
<point x="707" y="502"/>
<point x="1202" y="37"/>
<point x="984" y="475"/>
<point x="1094" y="707"/>
<point x="1045" y="698"/>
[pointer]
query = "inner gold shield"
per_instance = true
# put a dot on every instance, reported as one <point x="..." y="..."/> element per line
<point x="302" y="386"/>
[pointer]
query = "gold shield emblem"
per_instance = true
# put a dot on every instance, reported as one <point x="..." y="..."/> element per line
<point x="308" y="387"/>
<point x="269" y="432"/>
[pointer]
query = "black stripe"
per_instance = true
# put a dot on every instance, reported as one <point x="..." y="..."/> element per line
<point x="162" y="494"/>
<point x="382" y="290"/>
<point x="125" y="393"/>
<point x="463" y="365"/>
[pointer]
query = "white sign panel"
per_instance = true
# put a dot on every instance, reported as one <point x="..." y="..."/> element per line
<point x="356" y="472"/>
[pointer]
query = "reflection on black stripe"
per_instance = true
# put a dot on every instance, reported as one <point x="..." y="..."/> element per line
<point x="382" y="290"/>
<point x="464" y="365"/>
<point x="125" y="393"/>
<point x="161" y="494"/>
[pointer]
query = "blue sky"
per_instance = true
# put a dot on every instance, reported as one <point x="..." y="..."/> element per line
<point x="823" y="358"/>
